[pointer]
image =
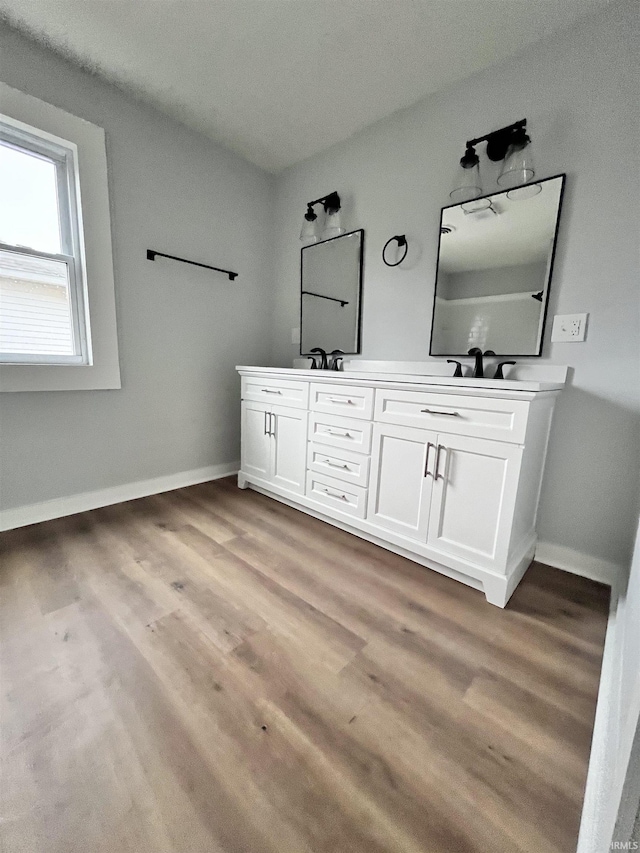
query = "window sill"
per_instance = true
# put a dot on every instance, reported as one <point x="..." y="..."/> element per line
<point x="60" y="377"/>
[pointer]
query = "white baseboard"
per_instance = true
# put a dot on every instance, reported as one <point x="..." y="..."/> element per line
<point x="577" y="563"/>
<point x="59" y="507"/>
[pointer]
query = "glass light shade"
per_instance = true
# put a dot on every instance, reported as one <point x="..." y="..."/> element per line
<point x="332" y="225"/>
<point x="476" y="205"/>
<point x="527" y="191"/>
<point x="517" y="167"/>
<point x="467" y="185"/>
<point x="308" y="232"/>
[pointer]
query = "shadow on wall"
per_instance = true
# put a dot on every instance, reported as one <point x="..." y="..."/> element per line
<point x="592" y="473"/>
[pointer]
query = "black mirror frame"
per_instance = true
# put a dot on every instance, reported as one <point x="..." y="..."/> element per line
<point x="548" y="282"/>
<point x="359" y="231"/>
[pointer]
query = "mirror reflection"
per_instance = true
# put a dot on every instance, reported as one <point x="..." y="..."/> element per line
<point x="494" y="270"/>
<point x="331" y="293"/>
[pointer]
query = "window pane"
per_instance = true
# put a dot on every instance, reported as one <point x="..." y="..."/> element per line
<point x="35" y="306"/>
<point x="29" y="213"/>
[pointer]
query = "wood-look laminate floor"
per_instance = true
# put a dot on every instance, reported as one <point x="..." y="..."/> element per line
<point x="209" y="671"/>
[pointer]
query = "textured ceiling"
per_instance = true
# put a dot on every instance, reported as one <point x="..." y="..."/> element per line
<point x="280" y="80"/>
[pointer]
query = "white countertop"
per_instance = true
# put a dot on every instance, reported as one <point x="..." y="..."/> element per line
<point x="449" y="384"/>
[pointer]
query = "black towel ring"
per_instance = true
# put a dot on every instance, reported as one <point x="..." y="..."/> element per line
<point x="402" y="241"/>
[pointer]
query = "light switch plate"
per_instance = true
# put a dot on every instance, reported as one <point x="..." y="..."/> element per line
<point x="569" y="328"/>
<point x="295" y="335"/>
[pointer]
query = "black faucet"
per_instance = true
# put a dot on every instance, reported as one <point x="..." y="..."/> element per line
<point x="478" y="370"/>
<point x="323" y="358"/>
<point x="499" y="374"/>
<point x="336" y="358"/>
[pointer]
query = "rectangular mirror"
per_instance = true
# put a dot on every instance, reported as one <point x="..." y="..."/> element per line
<point x="495" y="261"/>
<point x="331" y="294"/>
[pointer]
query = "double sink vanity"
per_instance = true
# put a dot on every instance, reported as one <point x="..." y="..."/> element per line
<point x="445" y="471"/>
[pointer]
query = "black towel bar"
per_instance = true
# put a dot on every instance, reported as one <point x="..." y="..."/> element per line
<point x="152" y="254"/>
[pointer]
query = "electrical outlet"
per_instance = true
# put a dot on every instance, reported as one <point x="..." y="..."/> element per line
<point x="295" y="335"/>
<point x="569" y="328"/>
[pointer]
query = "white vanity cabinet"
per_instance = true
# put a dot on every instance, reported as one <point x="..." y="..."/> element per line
<point x="446" y="472"/>
<point x="256" y="450"/>
<point x="453" y="493"/>
<point x="400" y="493"/>
<point x="451" y="490"/>
<point x="475" y="484"/>
<point x="274" y="445"/>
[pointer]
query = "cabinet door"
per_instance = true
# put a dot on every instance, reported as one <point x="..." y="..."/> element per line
<point x="256" y="441"/>
<point x="474" y="495"/>
<point x="289" y="427"/>
<point x="401" y="479"/>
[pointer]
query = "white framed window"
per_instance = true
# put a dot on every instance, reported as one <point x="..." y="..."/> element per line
<point x="57" y="296"/>
<point x="43" y="298"/>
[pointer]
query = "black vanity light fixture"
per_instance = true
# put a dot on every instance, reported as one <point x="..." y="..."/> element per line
<point x="332" y="224"/>
<point x="510" y="144"/>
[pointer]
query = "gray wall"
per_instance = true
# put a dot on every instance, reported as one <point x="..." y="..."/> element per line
<point x="577" y="92"/>
<point x="181" y="330"/>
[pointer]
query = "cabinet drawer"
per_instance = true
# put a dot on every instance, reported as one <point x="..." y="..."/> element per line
<point x="333" y="493"/>
<point x="342" y="464"/>
<point x="482" y="417"/>
<point x="347" y="400"/>
<point x="348" y="433"/>
<point x="285" y="392"/>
